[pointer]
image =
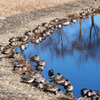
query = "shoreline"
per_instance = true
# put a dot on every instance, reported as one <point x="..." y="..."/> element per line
<point x="17" y="25"/>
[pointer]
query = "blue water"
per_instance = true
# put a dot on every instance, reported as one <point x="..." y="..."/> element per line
<point x="74" y="51"/>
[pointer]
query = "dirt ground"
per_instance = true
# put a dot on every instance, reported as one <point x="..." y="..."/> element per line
<point x="12" y="7"/>
<point x="17" y="17"/>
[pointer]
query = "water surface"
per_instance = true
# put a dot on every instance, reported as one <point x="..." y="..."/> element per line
<point x="74" y="51"/>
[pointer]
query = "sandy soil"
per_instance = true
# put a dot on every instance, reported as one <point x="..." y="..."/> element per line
<point x="11" y="7"/>
<point x="11" y="25"/>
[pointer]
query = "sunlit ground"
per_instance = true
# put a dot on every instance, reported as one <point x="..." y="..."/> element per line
<point x="13" y="7"/>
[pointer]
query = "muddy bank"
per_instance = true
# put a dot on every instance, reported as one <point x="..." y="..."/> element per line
<point x="11" y="86"/>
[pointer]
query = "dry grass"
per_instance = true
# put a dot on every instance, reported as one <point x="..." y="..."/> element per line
<point x="11" y="7"/>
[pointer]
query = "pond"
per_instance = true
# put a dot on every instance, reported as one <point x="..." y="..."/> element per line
<point x="73" y="51"/>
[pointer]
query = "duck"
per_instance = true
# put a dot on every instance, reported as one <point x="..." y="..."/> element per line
<point x="16" y="66"/>
<point x="12" y="39"/>
<point x="15" y="55"/>
<point x="23" y="46"/>
<point x="43" y="38"/>
<point x="6" y="50"/>
<point x="35" y="58"/>
<point x="61" y="81"/>
<point x="40" y="38"/>
<point x="56" y="20"/>
<point x="59" y="25"/>
<point x="40" y="67"/>
<point x="23" y="68"/>
<point x="52" y="22"/>
<point x="40" y="85"/>
<point x="70" y="93"/>
<point x="83" y="14"/>
<point x="37" y="74"/>
<point x="48" y="32"/>
<point x="66" y="82"/>
<point x="86" y="13"/>
<point x="33" y="40"/>
<point x="24" y="38"/>
<point x="44" y="35"/>
<point x="38" y="27"/>
<point x="66" y="23"/>
<point x="55" y="77"/>
<point x="45" y="24"/>
<point x="68" y="87"/>
<point x="20" y="68"/>
<point x="51" y="30"/>
<point x="84" y="92"/>
<point x="46" y="85"/>
<point x="1" y="48"/>
<point x="35" y="30"/>
<point x="3" y="58"/>
<point x="27" y="74"/>
<point x="29" y="33"/>
<point x="7" y="47"/>
<point x="60" y="92"/>
<point x="12" y="43"/>
<point x="36" y="41"/>
<point x="43" y="85"/>
<point x="82" y="98"/>
<point x="91" y="92"/>
<point x="29" y="79"/>
<point x="39" y="79"/>
<point x="95" y="97"/>
<point x="73" y="20"/>
<point x="49" y="26"/>
<point x="51" y="72"/>
<point x="52" y="88"/>
<point x="41" y="62"/>
<point x="92" y="8"/>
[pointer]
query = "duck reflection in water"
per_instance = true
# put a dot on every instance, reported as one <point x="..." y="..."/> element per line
<point x="71" y="49"/>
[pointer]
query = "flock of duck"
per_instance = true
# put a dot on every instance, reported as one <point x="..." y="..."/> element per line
<point x="32" y="76"/>
<point x="89" y="95"/>
<point x="55" y="78"/>
<point x="39" y="81"/>
<point x="29" y="74"/>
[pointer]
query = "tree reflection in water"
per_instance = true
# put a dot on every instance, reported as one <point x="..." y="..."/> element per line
<point x="61" y="42"/>
<point x="87" y="47"/>
<point x="69" y="47"/>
